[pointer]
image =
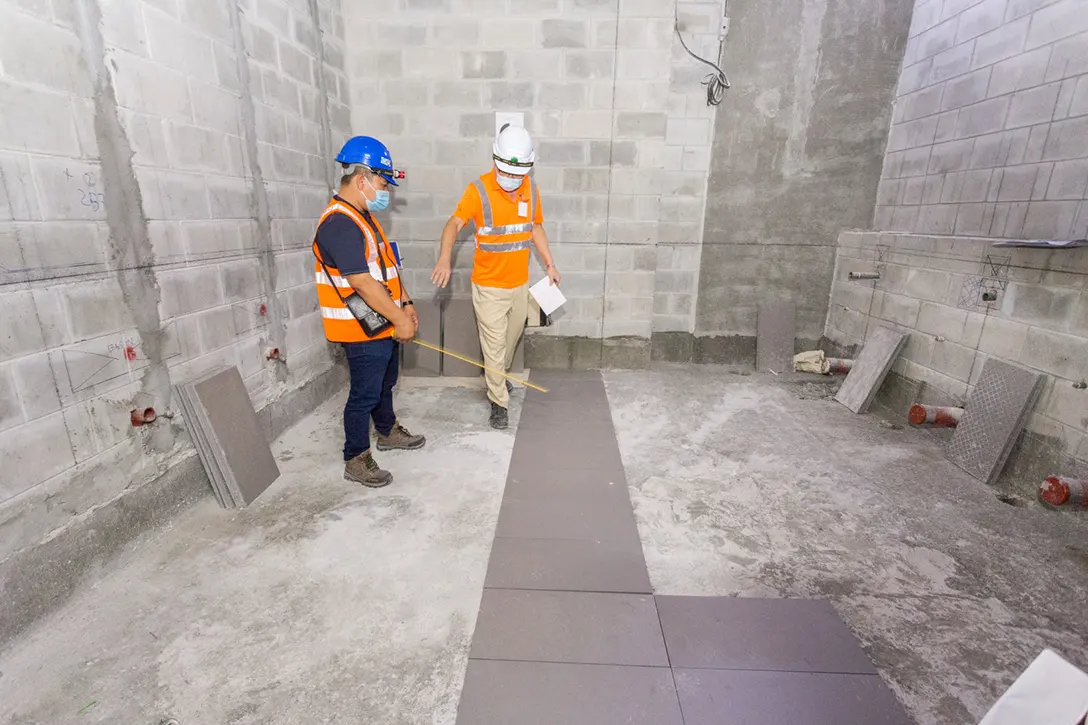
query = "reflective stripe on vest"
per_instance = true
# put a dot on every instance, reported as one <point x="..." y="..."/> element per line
<point x="340" y="324"/>
<point x="506" y="230"/>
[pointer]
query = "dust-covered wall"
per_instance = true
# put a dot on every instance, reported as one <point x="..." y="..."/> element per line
<point x="622" y="129"/>
<point x="798" y="148"/>
<point x="161" y="167"/>
<point x="989" y="142"/>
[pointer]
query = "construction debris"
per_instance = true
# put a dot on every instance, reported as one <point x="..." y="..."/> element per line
<point x="1064" y="491"/>
<point x="814" y="361"/>
<point x="996" y="412"/>
<point x="228" y="438"/>
<point x="872" y="367"/>
<point x="942" y="415"/>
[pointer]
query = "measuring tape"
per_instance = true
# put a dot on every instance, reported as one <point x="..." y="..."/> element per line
<point x="462" y="358"/>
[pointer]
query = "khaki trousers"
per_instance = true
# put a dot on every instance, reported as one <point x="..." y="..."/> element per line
<point x="500" y="317"/>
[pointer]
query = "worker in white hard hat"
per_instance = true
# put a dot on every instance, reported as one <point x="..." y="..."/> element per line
<point x="504" y="204"/>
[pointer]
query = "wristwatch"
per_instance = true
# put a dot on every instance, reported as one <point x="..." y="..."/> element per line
<point x="406" y="303"/>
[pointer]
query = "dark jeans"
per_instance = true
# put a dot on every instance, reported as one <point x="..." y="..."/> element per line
<point x="373" y="367"/>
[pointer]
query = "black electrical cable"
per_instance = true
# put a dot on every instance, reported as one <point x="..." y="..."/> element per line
<point x="717" y="82"/>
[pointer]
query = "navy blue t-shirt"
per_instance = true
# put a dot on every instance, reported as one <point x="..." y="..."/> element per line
<point x="342" y="244"/>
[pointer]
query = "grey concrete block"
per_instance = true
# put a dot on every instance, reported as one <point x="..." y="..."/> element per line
<point x="871" y="367"/>
<point x="1057" y="21"/>
<point x="510" y="94"/>
<point x="563" y="96"/>
<point x="981" y="18"/>
<point x="951" y="156"/>
<point x="982" y="118"/>
<point x="1020" y="72"/>
<point x="1050" y="219"/>
<point x="564" y="33"/>
<point x="589" y="64"/>
<point x="1036" y="105"/>
<point x="966" y="90"/>
<point x="483" y="64"/>
<point x="24" y="41"/>
<point x="587" y="124"/>
<point x="925" y="102"/>
<point x="1069" y="181"/>
<point x="419" y="361"/>
<point x="37" y="450"/>
<point x="1068" y="58"/>
<point x="462" y="95"/>
<point x="1068" y="139"/>
<point x="1004" y="42"/>
<point x="460" y="335"/>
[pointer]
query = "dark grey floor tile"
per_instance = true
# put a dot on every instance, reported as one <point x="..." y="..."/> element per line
<point x="798" y="635"/>
<point x="611" y="520"/>
<point x="735" y="697"/>
<point x="595" y="449"/>
<point x="567" y="565"/>
<point x="528" y="457"/>
<point x="534" y="626"/>
<point x="564" y="416"/>
<point x="545" y="377"/>
<point x="537" y="693"/>
<point x="557" y="484"/>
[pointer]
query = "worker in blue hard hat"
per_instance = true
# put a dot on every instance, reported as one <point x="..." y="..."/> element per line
<point x="364" y="305"/>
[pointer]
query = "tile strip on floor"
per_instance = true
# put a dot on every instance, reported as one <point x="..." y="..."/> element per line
<point x="569" y="632"/>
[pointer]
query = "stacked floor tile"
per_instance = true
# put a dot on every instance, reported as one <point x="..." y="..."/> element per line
<point x="227" y="436"/>
<point x="570" y="633"/>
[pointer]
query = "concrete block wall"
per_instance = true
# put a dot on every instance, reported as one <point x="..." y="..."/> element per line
<point x="930" y="286"/>
<point x="621" y="127"/>
<point x="990" y="132"/>
<point x="157" y="197"/>
<point x="797" y="154"/>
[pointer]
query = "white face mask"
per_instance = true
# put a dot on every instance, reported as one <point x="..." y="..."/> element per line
<point x="509" y="183"/>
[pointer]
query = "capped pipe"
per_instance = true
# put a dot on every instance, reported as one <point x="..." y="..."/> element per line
<point x="1064" y="491"/>
<point x="839" y="365"/>
<point x="946" y="416"/>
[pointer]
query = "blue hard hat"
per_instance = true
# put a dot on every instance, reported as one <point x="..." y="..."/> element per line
<point x="373" y="154"/>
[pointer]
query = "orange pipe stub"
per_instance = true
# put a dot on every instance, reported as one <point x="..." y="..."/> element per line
<point x="946" y="416"/>
<point x="1064" y="491"/>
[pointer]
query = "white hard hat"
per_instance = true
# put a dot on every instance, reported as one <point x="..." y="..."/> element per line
<point x="513" y="152"/>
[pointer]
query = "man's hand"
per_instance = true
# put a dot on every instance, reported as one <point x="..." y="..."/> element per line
<point x="410" y="310"/>
<point x="553" y="275"/>
<point x="404" y="329"/>
<point x="441" y="274"/>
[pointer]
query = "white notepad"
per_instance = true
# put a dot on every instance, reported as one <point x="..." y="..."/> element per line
<point x="547" y="295"/>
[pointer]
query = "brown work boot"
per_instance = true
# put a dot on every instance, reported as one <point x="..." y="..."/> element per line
<point x="364" y="469"/>
<point x="400" y="439"/>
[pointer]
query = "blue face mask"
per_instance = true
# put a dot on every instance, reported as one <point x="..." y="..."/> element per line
<point x="380" y="201"/>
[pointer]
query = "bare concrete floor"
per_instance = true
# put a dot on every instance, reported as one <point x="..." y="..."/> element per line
<point x="321" y="603"/>
<point x="751" y="485"/>
<point x="326" y="603"/>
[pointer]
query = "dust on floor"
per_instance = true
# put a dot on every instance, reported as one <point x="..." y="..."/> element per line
<point x="756" y="486"/>
<point x="320" y="603"/>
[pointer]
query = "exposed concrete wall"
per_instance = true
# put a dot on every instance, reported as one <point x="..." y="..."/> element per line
<point x="989" y="139"/>
<point x="990" y="134"/>
<point x="622" y="131"/>
<point x="798" y="146"/>
<point x="161" y="167"/>
<point x="930" y="286"/>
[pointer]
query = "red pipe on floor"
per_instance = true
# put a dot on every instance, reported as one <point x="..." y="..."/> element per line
<point x="839" y="365"/>
<point x="1064" y="491"/>
<point x="941" y="415"/>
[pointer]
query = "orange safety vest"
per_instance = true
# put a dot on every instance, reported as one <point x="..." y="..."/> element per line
<point x="503" y="242"/>
<point x="340" y="324"/>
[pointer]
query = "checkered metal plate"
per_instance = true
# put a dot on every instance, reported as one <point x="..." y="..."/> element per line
<point x="996" y="412"/>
